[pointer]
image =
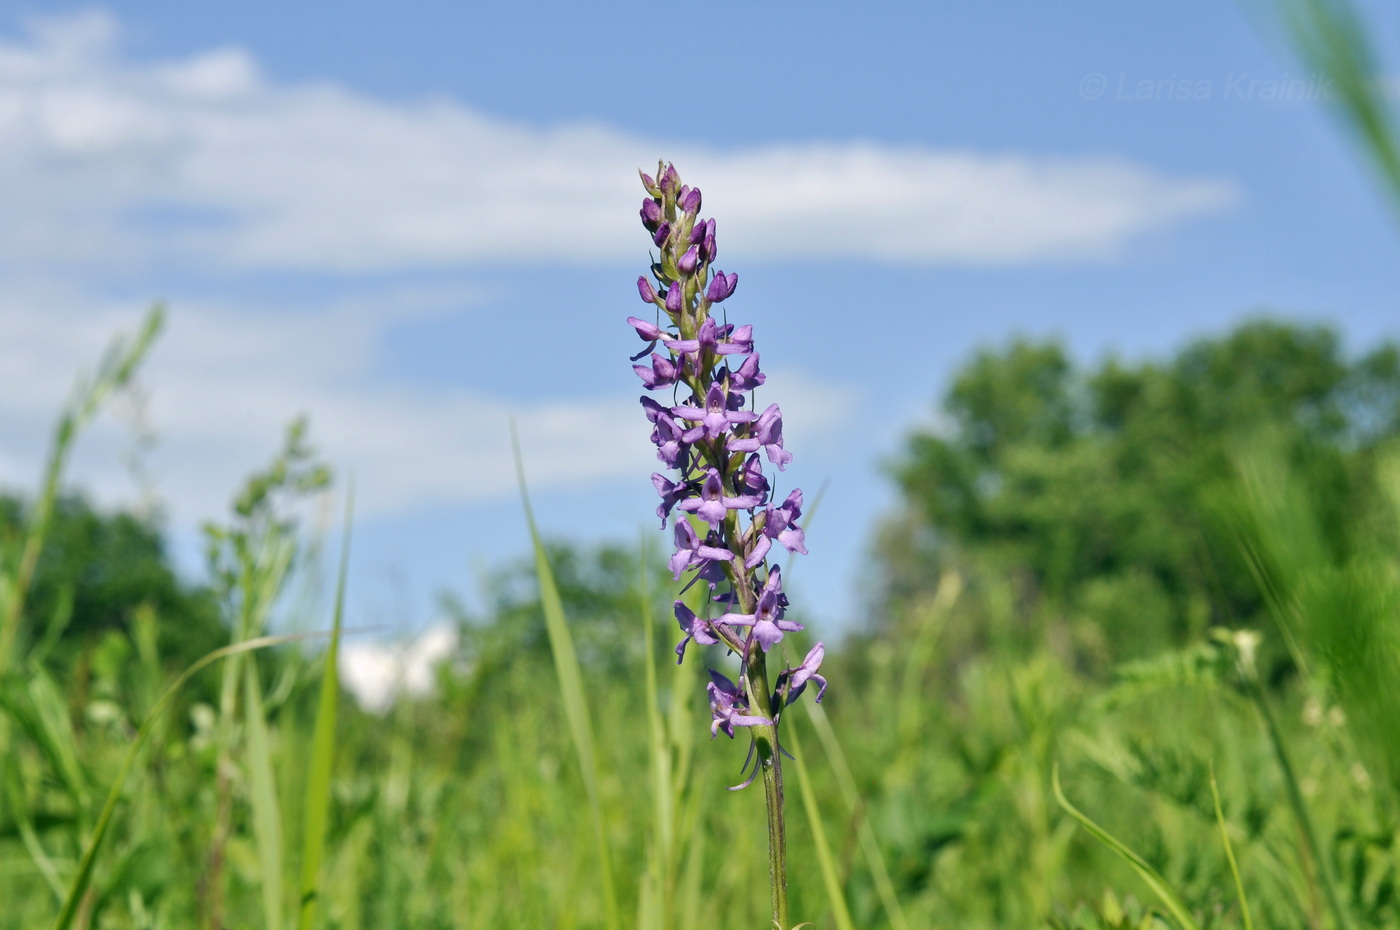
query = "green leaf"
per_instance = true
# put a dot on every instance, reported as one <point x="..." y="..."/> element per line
<point x="566" y="668"/>
<point x="267" y="816"/>
<point x="82" y="880"/>
<point x="831" y="877"/>
<point x="1168" y="896"/>
<point x="318" y="783"/>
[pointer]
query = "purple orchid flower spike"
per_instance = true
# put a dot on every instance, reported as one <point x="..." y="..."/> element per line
<point x="796" y="678"/>
<point x="728" y="705"/>
<point x="696" y="628"/>
<point x="720" y="446"/>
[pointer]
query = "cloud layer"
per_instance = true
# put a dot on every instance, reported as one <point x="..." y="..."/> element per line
<point x="205" y="159"/>
<point x="122" y="168"/>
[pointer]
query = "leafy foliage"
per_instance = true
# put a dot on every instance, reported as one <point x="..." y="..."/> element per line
<point x="1108" y="491"/>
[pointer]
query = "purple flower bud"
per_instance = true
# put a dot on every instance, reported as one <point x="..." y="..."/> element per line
<point x="689" y="261"/>
<point x="663" y="232"/>
<point x="661" y="373"/>
<point x="722" y="286"/>
<point x="669" y="179"/>
<point x="701" y="231"/>
<point x="711" y="252"/>
<point x="651" y="214"/>
<point x="645" y="289"/>
<point x="673" y="297"/>
<point x="751" y="477"/>
<point x="748" y="376"/>
<point x="690" y="200"/>
<point x="649" y="183"/>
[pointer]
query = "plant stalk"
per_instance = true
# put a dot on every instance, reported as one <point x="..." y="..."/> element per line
<point x="1300" y="807"/>
<point x="770" y="761"/>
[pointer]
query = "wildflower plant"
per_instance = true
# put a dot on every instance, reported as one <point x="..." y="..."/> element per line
<point x="717" y="445"/>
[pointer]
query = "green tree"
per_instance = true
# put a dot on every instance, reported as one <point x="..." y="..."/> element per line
<point x="96" y="569"/>
<point x="1105" y="493"/>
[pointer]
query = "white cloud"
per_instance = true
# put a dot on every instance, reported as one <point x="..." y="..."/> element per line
<point x="377" y="674"/>
<point x="206" y="164"/>
<point x="220" y="391"/>
<point x="206" y="160"/>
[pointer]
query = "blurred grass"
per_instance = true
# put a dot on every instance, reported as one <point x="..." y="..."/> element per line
<point x="494" y="803"/>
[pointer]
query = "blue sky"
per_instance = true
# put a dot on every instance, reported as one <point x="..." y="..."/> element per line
<point x="413" y="222"/>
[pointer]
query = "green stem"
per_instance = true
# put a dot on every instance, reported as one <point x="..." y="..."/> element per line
<point x="770" y="761"/>
<point x="1300" y="809"/>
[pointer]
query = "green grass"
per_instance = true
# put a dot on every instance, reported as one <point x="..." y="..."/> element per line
<point x="563" y="776"/>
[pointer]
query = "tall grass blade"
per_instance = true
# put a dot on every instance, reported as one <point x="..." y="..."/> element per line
<point x="1331" y="38"/>
<point x="82" y="880"/>
<point x="869" y="845"/>
<point x="267" y="816"/>
<point x="24" y="824"/>
<point x="1168" y="896"/>
<point x="660" y="869"/>
<point x="831" y="878"/>
<point x="41" y="712"/>
<point x="117" y="366"/>
<point x="318" y="782"/>
<point x="566" y="668"/>
<point x="1230" y="853"/>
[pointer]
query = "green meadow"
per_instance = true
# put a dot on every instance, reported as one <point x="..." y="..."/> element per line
<point x="1128" y="657"/>
<point x="1130" y="660"/>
